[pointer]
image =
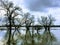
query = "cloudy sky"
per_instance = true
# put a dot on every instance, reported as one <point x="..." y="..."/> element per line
<point x="41" y="7"/>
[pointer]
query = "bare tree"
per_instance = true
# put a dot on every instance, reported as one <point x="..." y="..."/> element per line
<point x="10" y="10"/>
<point x="47" y="21"/>
<point x="28" y="21"/>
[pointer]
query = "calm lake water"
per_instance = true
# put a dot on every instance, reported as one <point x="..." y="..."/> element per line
<point x="55" y="32"/>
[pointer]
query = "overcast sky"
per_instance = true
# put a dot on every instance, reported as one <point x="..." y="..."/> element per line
<point x="41" y="7"/>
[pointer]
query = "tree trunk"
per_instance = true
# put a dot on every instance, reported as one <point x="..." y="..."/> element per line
<point x="9" y="39"/>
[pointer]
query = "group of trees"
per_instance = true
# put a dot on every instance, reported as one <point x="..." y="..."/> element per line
<point x="33" y="35"/>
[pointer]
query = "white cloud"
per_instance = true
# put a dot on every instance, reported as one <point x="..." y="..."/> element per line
<point x="21" y="4"/>
<point x="17" y="2"/>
